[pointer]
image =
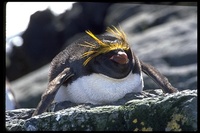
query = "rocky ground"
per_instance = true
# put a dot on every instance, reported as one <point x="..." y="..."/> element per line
<point x="149" y="111"/>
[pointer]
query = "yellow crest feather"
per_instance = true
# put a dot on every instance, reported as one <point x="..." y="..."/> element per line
<point x="104" y="47"/>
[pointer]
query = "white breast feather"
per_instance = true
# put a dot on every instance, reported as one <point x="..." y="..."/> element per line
<point x="9" y="100"/>
<point x="99" y="89"/>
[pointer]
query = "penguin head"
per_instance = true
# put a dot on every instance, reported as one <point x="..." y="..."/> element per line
<point x="109" y="55"/>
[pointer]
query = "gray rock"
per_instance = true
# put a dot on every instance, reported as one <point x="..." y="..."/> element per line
<point x="165" y="37"/>
<point x="29" y="88"/>
<point x="150" y="111"/>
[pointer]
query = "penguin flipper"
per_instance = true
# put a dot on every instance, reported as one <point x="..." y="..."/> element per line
<point x="49" y="94"/>
<point x="158" y="78"/>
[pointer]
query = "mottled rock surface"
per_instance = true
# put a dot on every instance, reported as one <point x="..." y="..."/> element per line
<point x="163" y="36"/>
<point x="149" y="111"/>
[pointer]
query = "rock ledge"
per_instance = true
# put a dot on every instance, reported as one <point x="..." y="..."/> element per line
<point x="149" y="111"/>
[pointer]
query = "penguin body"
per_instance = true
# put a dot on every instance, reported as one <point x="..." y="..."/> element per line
<point x="97" y="82"/>
<point x="98" y="70"/>
<point x="99" y="89"/>
<point x="11" y="102"/>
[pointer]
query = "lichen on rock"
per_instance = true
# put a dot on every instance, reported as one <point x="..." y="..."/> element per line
<point x="149" y="111"/>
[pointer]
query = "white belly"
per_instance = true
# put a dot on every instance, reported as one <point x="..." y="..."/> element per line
<point x="99" y="89"/>
<point x="9" y="100"/>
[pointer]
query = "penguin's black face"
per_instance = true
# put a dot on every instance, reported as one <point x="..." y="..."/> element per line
<point x="116" y="63"/>
<point x="108" y="55"/>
